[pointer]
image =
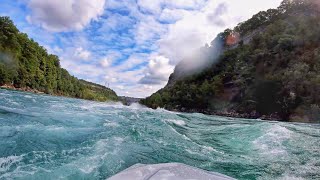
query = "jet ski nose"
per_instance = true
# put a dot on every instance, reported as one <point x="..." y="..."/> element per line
<point x="169" y="171"/>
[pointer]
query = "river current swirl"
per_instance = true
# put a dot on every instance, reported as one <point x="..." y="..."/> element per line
<point x="46" y="137"/>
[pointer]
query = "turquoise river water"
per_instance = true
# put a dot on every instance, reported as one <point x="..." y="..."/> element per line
<point x="45" y="137"/>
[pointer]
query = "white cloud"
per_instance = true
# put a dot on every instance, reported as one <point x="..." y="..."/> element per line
<point x="116" y="22"/>
<point x="148" y="29"/>
<point x="53" y="50"/>
<point x="105" y="62"/>
<point x="110" y="79"/>
<point x="64" y="15"/>
<point x="152" y="6"/>
<point x="132" y="61"/>
<point x="194" y="28"/>
<point x="158" y="71"/>
<point x="82" y="54"/>
<point x="85" y="71"/>
<point x="172" y="15"/>
<point x="109" y="57"/>
<point x="136" y="90"/>
<point x="156" y="6"/>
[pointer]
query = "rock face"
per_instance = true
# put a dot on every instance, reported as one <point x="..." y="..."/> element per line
<point x="267" y="67"/>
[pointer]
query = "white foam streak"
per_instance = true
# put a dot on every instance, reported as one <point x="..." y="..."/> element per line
<point x="111" y="124"/>
<point x="271" y="142"/>
<point x="176" y="121"/>
<point x="7" y="162"/>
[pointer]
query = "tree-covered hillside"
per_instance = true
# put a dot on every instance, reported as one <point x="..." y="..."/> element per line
<point x="269" y="68"/>
<point x="25" y="64"/>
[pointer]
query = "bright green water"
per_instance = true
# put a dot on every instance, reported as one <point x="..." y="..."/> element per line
<point x="44" y="137"/>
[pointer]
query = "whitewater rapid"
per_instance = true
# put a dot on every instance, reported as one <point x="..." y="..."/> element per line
<point x="46" y="137"/>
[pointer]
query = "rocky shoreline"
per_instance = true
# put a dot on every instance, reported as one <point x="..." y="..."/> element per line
<point x="26" y="89"/>
<point x="232" y="114"/>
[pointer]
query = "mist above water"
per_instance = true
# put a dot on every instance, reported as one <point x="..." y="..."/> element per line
<point x="197" y="60"/>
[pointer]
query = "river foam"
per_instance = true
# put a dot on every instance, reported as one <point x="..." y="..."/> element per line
<point x="63" y="138"/>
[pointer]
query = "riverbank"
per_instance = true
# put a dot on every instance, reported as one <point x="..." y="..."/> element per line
<point x="300" y="118"/>
<point x="232" y="114"/>
<point x="26" y="89"/>
<point x="35" y="91"/>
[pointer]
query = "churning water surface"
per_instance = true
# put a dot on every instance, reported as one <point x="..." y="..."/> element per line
<point x="45" y="137"/>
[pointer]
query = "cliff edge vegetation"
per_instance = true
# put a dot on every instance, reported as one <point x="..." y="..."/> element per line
<point x="267" y="67"/>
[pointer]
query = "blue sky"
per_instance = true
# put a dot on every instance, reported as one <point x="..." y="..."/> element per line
<point x="132" y="45"/>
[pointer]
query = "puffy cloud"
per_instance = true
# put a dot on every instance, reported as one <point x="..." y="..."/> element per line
<point x="152" y="6"/>
<point x="217" y="16"/>
<point x="139" y="90"/>
<point x="82" y="70"/>
<point x="133" y="61"/>
<point x="116" y="22"/>
<point x="109" y="79"/>
<point x="82" y="53"/>
<point x="158" y="71"/>
<point x="156" y="6"/>
<point x="172" y="15"/>
<point x="53" y="50"/>
<point x="194" y="28"/>
<point x="64" y="15"/>
<point x="105" y="62"/>
<point x="148" y="29"/>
